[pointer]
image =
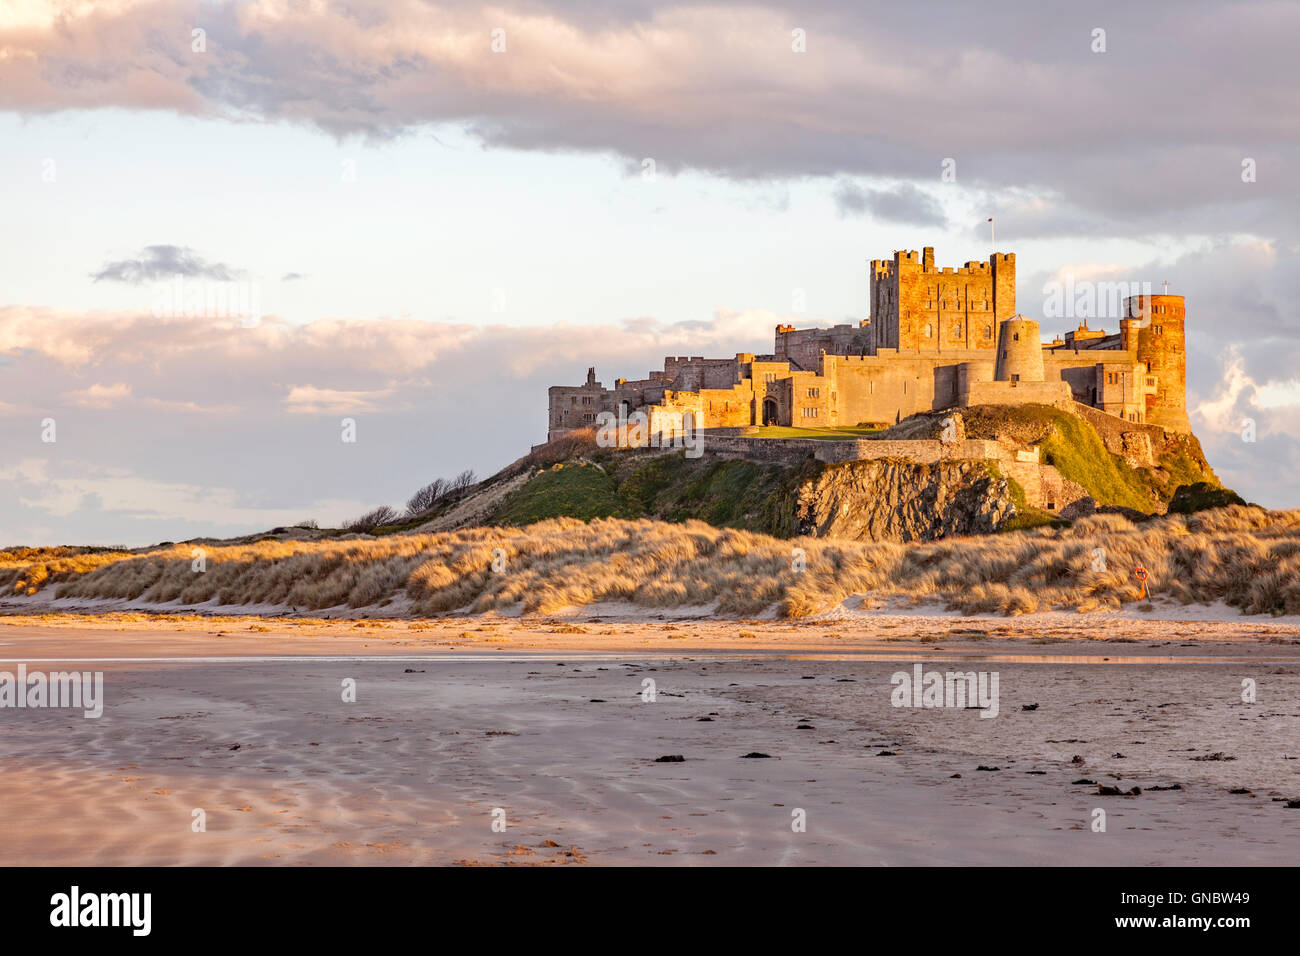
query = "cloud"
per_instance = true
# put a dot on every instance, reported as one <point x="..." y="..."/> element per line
<point x="232" y="429"/>
<point x="99" y="396"/>
<point x="164" y="262"/>
<point x="904" y="203"/>
<point x="309" y="400"/>
<point x="292" y="277"/>
<point x="1014" y="94"/>
<point x="95" y="493"/>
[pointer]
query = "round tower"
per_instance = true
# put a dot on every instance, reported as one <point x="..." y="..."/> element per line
<point x="1020" y="351"/>
<point x="1153" y="330"/>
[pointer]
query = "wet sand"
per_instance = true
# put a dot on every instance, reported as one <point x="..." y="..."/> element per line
<point x="544" y="720"/>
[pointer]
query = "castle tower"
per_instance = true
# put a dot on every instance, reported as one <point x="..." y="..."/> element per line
<point x="1153" y="329"/>
<point x="1020" y="351"/>
<point x="916" y="305"/>
<point x="1003" y="266"/>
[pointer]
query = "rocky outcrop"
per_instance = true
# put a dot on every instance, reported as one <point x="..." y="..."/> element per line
<point x="899" y="500"/>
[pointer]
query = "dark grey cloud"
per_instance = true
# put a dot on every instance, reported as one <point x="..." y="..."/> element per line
<point x="1147" y="136"/>
<point x="904" y="203"/>
<point x="163" y="262"/>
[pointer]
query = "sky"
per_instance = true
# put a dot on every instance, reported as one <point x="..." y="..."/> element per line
<point x="424" y="214"/>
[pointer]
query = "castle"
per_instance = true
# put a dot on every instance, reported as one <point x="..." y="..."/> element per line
<point x="935" y="339"/>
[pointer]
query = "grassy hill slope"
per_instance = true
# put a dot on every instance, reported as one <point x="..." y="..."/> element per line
<point x="592" y="482"/>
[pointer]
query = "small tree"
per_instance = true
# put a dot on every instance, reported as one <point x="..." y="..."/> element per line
<point x="426" y="497"/>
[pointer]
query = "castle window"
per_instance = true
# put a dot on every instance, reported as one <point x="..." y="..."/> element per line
<point x="956" y="331"/>
<point x="929" y="331"/>
<point x="809" y="412"/>
<point x="988" y="329"/>
<point x="814" y="393"/>
<point x="1016" y="336"/>
<point x="769" y="376"/>
<point x="1159" y="330"/>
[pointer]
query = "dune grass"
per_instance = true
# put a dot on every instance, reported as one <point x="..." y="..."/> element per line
<point x="1246" y="557"/>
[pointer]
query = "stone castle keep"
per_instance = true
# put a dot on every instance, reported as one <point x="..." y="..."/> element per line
<point x="935" y="339"/>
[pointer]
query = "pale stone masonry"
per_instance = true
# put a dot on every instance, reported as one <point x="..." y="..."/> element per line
<point x="936" y="339"/>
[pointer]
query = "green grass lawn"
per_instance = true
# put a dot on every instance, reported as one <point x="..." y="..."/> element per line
<point x="839" y="433"/>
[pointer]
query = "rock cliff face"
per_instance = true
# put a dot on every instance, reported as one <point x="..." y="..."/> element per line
<point x="898" y="500"/>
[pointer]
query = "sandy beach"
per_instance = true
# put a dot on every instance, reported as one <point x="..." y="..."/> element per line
<point x="545" y="720"/>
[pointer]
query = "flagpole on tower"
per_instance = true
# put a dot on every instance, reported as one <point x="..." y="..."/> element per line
<point x="992" y="238"/>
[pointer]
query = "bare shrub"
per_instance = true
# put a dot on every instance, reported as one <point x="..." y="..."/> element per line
<point x="426" y="497"/>
<point x="372" y="519"/>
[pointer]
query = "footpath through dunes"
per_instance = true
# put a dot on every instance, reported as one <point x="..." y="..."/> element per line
<point x="1243" y="557"/>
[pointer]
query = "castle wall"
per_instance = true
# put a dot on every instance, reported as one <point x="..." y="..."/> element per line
<point x="1019" y="393"/>
<point x="803" y="347"/>
<point x="893" y="384"/>
<point x="712" y="407"/>
<point x="795" y="450"/>
<point x="692" y="374"/>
